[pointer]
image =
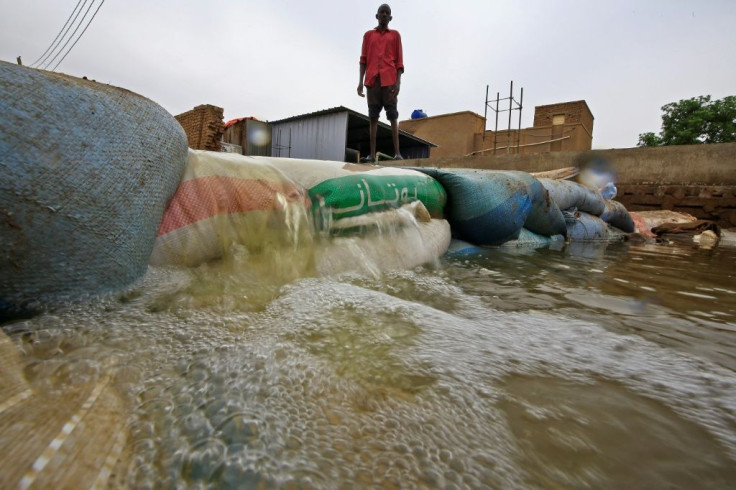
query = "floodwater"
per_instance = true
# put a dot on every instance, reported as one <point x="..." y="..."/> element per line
<point x="587" y="367"/>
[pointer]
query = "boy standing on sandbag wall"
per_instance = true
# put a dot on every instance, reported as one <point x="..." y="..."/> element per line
<point x="381" y="66"/>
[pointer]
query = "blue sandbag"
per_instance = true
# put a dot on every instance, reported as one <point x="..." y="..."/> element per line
<point x="545" y="217"/>
<point x="87" y="171"/>
<point x="529" y="239"/>
<point x="568" y="194"/>
<point x="460" y="248"/>
<point x="617" y="215"/>
<point x="584" y="227"/>
<point x="483" y="207"/>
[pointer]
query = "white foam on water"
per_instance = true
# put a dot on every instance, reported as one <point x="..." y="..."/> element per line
<point x="393" y="378"/>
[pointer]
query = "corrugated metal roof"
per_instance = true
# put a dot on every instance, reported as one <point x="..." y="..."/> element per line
<point x="352" y="114"/>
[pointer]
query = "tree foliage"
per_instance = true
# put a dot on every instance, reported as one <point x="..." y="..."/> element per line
<point x="695" y="121"/>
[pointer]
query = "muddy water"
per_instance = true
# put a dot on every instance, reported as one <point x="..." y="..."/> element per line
<point x="590" y="367"/>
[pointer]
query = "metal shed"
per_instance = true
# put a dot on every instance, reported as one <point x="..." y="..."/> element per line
<point x="247" y="136"/>
<point x="338" y="134"/>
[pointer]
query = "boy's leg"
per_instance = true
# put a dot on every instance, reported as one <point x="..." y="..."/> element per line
<point x="374" y="131"/>
<point x="395" y="134"/>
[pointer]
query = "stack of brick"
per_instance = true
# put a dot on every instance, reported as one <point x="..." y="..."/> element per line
<point x="203" y="126"/>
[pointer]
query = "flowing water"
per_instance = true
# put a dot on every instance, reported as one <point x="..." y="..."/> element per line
<point x="588" y="367"/>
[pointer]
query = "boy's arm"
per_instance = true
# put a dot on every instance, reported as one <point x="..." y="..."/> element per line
<point x="360" y="82"/>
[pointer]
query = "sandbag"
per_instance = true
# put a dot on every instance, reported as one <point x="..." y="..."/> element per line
<point x="584" y="227"/>
<point x="226" y="199"/>
<point x="545" y="218"/>
<point x="529" y="239"/>
<point x="461" y="248"/>
<point x="617" y="215"/>
<point x="568" y="195"/>
<point x="646" y="220"/>
<point x="341" y="190"/>
<point x="87" y="170"/>
<point x="483" y="207"/>
<point x="394" y="239"/>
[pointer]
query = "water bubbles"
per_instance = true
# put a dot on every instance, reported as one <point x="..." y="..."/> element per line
<point x="416" y="378"/>
<point x="204" y="460"/>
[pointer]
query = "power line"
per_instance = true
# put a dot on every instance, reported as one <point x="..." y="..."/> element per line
<point x="80" y="35"/>
<point x="70" y="37"/>
<point x="64" y="31"/>
<point x="59" y="34"/>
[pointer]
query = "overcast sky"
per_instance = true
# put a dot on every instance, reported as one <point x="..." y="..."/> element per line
<point x="278" y="58"/>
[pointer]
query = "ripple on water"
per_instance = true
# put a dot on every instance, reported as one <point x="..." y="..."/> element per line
<point x="413" y="379"/>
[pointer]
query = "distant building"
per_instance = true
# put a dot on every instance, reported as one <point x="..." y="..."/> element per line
<point x="203" y="127"/>
<point x="339" y="134"/>
<point x="247" y="136"/>
<point x="566" y="126"/>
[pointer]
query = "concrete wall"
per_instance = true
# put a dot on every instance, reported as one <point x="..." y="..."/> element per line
<point x="697" y="179"/>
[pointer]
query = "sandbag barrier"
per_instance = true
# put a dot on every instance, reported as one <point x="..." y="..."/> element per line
<point x="509" y="208"/>
<point x="87" y="170"/>
<point x="271" y="203"/>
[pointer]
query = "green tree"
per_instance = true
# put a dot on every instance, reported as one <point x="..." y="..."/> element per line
<point x="695" y="121"/>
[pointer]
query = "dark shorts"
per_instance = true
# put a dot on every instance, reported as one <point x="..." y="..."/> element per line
<point x="382" y="97"/>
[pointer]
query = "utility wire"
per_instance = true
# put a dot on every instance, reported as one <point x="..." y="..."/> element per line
<point x="80" y="35"/>
<point x="59" y="34"/>
<point x="63" y="34"/>
<point x="70" y="37"/>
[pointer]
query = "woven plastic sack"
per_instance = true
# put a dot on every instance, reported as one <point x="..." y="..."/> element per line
<point x="529" y="239"/>
<point x="616" y="215"/>
<point x="545" y="217"/>
<point x="87" y="170"/>
<point x="484" y="207"/>
<point x="341" y="190"/>
<point x="460" y="248"/>
<point x="584" y="227"/>
<point x="395" y="239"/>
<point x="226" y="199"/>
<point x="568" y="194"/>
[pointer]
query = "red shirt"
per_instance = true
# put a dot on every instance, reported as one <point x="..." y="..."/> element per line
<point x="382" y="55"/>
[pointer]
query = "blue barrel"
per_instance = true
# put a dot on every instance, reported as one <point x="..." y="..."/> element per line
<point x="87" y="170"/>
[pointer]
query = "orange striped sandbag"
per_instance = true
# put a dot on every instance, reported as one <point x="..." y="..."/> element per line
<point x="226" y="199"/>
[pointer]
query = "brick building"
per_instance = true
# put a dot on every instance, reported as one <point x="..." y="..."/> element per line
<point x="203" y="126"/>
<point x="566" y="126"/>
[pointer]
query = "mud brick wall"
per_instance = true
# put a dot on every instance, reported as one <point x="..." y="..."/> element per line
<point x="712" y="202"/>
<point x="203" y="126"/>
<point x="574" y="112"/>
<point x="695" y="179"/>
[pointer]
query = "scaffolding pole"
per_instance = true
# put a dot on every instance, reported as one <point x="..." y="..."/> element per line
<point x="514" y="105"/>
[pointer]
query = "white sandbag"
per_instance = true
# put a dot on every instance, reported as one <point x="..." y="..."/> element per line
<point x="399" y="239"/>
<point x="227" y="199"/>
